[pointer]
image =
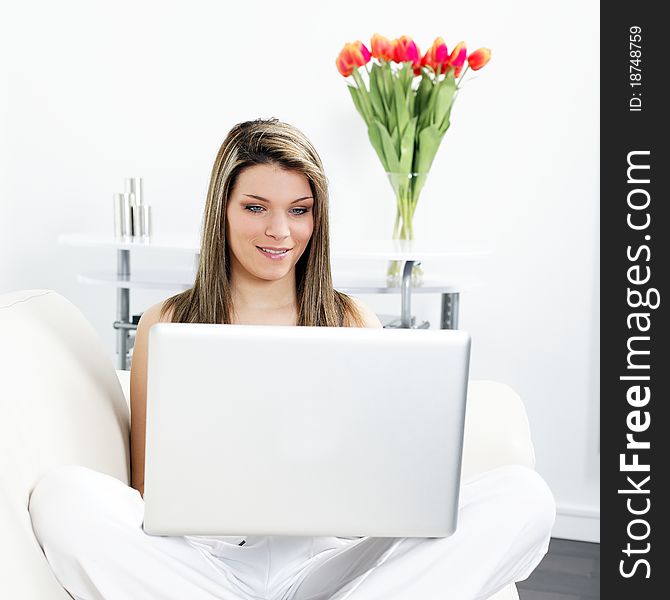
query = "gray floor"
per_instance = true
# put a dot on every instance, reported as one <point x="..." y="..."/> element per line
<point x="569" y="571"/>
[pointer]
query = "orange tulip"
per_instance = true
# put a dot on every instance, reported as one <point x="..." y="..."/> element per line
<point x="457" y="58"/>
<point x="479" y="58"/>
<point x="382" y="48"/>
<point x="436" y="56"/>
<point x="344" y="62"/>
<point x="405" y="50"/>
<point x="351" y="57"/>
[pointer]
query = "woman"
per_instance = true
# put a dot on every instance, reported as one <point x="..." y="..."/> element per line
<point x="265" y="260"/>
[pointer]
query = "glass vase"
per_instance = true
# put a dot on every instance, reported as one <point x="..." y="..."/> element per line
<point x="407" y="188"/>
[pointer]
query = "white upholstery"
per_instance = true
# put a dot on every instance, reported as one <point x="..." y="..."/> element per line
<point x="62" y="402"/>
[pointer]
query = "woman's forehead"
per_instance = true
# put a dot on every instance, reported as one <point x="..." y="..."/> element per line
<point x="272" y="183"/>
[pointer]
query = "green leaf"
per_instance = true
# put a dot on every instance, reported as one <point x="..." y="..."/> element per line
<point x="392" y="115"/>
<point x="387" y="79"/>
<point x="364" y="97"/>
<point x="392" y="163"/>
<point x="376" y="93"/>
<point x="445" y="97"/>
<point x="427" y="112"/>
<point x="411" y="98"/>
<point x="400" y="104"/>
<point x="429" y="142"/>
<point x="446" y="121"/>
<point x="357" y="101"/>
<point x="384" y="80"/>
<point x="406" y="76"/>
<point x="422" y="95"/>
<point x="407" y="147"/>
<point x="395" y="138"/>
<point x="376" y="141"/>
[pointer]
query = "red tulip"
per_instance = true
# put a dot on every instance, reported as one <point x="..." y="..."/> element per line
<point x="479" y="58"/>
<point x="382" y="48"/>
<point x="405" y="50"/>
<point x="351" y="57"/>
<point x="436" y="56"/>
<point x="457" y="58"/>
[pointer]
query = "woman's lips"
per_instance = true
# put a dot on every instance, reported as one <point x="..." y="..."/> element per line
<point x="273" y="256"/>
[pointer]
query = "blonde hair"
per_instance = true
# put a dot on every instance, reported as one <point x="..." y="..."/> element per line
<point x="263" y="142"/>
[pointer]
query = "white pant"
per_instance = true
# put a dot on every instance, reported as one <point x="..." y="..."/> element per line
<point x="90" y="528"/>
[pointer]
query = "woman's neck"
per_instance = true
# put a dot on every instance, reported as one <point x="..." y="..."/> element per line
<point x="257" y="295"/>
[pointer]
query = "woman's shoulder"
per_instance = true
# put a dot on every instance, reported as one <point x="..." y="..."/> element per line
<point x="369" y="317"/>
<point x="153" y="314"/>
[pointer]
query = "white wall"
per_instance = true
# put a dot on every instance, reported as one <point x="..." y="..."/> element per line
<point x="98" y="91"/>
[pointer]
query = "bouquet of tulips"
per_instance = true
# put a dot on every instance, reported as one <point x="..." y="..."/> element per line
<point x="406" y="106"/>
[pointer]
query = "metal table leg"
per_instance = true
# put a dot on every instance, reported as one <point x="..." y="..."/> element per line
<point x="122" y="310"/>
<point x="449" y="311"/>
<point x="406" y="295"/>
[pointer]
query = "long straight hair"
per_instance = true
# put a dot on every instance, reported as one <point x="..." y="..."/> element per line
<point x="263" y="142"/>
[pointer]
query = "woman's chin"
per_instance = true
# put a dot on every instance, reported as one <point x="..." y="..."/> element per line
<point x="266" y="269"/>
<point x="272" y="274"/>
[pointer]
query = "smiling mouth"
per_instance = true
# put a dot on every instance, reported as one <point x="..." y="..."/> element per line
<point x="274" y="252"/>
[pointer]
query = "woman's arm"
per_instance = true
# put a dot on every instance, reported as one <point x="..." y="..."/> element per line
<point x="138" y="395"/>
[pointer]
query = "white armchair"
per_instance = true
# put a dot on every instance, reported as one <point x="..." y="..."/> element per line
<point x="62" y="402"/>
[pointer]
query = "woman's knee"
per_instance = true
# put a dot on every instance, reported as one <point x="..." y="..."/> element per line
<point x="69" y="503"/>
<point x="531" y="500"/>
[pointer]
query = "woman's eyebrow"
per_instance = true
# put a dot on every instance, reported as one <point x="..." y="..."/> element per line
<point x="266" y="200"/>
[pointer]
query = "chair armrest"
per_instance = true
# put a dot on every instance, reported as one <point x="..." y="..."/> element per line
<point x="497" y="431"/>
<point x="124" y="380"/>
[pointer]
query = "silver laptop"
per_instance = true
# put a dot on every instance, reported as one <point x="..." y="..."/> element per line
<point x="314" y="431"/>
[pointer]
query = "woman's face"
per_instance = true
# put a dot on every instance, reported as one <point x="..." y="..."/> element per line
<point x="269" y="208"/>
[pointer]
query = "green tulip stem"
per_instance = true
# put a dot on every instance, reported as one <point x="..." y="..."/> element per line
<point x="458" y="83"/>
<point x="404" y="213"/>
<point x="367" y="105"/>
<point x="397" y="222"/>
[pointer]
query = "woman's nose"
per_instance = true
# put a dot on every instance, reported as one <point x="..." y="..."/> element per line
<point x="278" y="226"/>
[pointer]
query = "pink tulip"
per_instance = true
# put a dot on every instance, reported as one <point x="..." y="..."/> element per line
<point x="457" y="58"/>
<point x="405" y="50"/>
<point x="479" y="58"/>
<point x="436" y="56"/>
<point x="364" y="52"/>
<point x="382" y="48"/>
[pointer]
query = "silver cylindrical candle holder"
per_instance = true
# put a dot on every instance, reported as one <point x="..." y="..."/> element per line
<point x="127" y="216"/>
<point x="145" y="220"/>
<point x="139" y="191"/>
<point x="137" y="219"/>
<point x="135" y="211"/>
<point x="118" y="215"/>
<point x="134" y="186"/>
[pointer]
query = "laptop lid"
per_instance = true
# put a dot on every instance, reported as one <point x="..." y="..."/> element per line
<point x="315" y="431"/>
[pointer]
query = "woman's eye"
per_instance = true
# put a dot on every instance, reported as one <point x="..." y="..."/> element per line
<point x="254" y="208"/>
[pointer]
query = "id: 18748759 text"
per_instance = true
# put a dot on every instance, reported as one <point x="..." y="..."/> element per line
<point x="635" y="68"/>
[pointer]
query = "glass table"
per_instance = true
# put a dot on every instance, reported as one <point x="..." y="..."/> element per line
<point x="408" y="253"/>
